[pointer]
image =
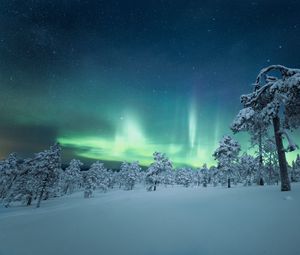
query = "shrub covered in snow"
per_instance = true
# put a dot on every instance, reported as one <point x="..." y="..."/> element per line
<point x="161" y="164"/>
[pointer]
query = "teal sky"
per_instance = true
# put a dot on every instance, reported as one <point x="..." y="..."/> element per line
<point x="118" y="80"/>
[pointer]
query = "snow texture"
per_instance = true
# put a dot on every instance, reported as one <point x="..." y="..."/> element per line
<point x="175" y="220"/>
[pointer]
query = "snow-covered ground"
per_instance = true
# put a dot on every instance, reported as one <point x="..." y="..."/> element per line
<point x="185" y="221"/>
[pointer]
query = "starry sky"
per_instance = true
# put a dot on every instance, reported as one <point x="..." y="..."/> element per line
<point x="118" y="80"/>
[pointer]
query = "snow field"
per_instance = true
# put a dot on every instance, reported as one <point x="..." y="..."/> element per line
<point x="173" y="220"/>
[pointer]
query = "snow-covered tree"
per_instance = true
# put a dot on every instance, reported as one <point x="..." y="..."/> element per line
<point x="214" y="175"/>
<point x="276" y="99"/>
<point x="257" y="126"/>
<point x="112" y="178"/>
<point x="248" y="167"/>
<point x="97" y="177"/>
<point x="271" y="161"/>
<point x="129" y="174"/>
<point x="168" y="177"/>
<point x="161" y="163"/>
<point x="9" y="172"/>
<point x="46" y="168"/>
<point x="90" y="178"/>
<point x="226" y="155"/>
<point x="24" y="186"/>
<point x="184" y="176"/>
<point x="204" y="175"/>
<point x="295" y="176"/>
<point x="197" y="177"/>
<point x="32" y="179"/>
<point x="102" y="181"/>
<point x="20" y="187"/>
<point x="297" y="162"/>
<point x="72" y="177"/>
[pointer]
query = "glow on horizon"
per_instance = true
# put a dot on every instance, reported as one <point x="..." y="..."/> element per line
<point x="97" y="148"/>
<point x="131" y="144"/>
<point x="129" y="134"/>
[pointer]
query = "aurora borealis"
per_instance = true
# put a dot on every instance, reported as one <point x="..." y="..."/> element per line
<point x="118" y="80"/>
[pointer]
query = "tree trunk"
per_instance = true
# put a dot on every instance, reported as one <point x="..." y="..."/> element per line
<point x="66" y="189"/>
<point x="87" y="194"/>
<point x="228" y="182"/>
<point x="46" y="197"/>
<point x="260" y="180"/>
<point x="41" y="195"/>
<point x="154" y="188"/>
<point x="29" y="200"/>
<point x="40" y="198"/>
<point x="285" y="182"/>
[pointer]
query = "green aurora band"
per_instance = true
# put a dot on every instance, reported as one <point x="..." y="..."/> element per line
<point x="109" y="123"/>
<point x="130" y="143"/>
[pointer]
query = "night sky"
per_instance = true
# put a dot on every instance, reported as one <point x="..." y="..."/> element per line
<point x="118" y="80"/>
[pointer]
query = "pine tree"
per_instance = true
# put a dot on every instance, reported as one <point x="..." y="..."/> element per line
<point x="249" y="168"/>
<point x="184" y="176"/>
<point x="257" y="126"/>
<point x="214" y="173"/>
<point x="226" y="155"/>
<point x="204" y="175"/>
<point x="161" y="163"/>
<point x="9" y="172"/>
<point x="276" y="100"/>
<point x="271" y="161"/>
<point x="103" y="177"/>
<point x="24" y="187"/>
<point x="90" y="179"/>
<point x="168" y="177"/>
<point x="46" y="170"/>
<point x="296" y="169"/>
<point x="129" y="174"/>
<point x="72" y="177"/>
<point x="112" y="176"/>
<point x="96" y="177"/>
<point x="197" y="177"/>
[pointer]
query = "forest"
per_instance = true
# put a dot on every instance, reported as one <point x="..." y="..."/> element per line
<point x="274" y="104"/>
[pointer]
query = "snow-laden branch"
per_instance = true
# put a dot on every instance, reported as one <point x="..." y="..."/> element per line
<point x="285" y="72"/>
<point x="254" y="97"/>
<point x="292" y="146"/>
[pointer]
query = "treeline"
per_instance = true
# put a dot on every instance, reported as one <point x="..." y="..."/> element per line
<point x="42" y="177"/>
